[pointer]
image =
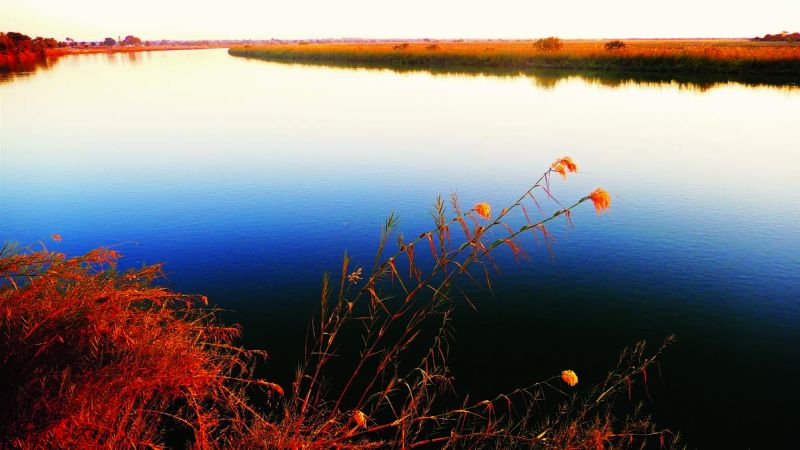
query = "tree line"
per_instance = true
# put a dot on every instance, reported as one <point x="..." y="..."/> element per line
<point x="13" y="42"/>
<point x="784" y="36"/>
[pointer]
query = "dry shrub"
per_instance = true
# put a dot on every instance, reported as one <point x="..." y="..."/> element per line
<point x="548" y="44"/>
<point x="615" y="45"/>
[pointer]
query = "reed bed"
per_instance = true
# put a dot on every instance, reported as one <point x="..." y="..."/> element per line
<point x="734" y="57"/>
<point x="94" y="357"/>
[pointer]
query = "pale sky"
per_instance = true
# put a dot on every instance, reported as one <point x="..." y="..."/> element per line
<point x="293" y="19"/>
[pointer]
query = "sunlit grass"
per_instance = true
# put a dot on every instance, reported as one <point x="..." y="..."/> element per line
<point x="679" y="56"/>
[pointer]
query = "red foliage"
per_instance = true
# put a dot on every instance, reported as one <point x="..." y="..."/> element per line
<point x="95" y="358"/>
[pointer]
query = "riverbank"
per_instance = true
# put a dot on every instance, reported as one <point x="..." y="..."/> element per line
<point x="731" y="57"/>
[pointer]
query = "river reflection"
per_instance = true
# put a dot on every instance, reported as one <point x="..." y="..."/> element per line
<point x="27" y="68"/>
<point x="21" y="69"/>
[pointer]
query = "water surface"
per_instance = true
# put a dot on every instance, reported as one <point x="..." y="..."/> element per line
<point x="249" y="179"/>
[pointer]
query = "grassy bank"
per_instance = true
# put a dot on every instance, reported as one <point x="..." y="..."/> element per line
<point x="687" y="57"/>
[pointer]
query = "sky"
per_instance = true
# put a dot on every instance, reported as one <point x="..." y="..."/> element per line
<point x="298" y="19"/>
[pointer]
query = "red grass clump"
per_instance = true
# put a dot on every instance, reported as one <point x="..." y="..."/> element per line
<point x="96" y="358"/>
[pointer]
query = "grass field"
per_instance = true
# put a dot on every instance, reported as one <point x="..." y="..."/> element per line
<point x="721" y="57"/>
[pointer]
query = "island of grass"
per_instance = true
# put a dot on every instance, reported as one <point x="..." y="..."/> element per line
<point x="729" y="58"/>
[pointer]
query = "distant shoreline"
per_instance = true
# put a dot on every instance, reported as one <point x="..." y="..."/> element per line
<point x="25" y="59"/>
<point x="56" y="52"/>
<point x="720" y="58"/>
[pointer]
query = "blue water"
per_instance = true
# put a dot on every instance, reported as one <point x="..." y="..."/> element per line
<point x="249" y="179"/>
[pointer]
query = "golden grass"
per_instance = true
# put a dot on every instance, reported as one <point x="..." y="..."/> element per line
<point x="714" y="49"/>
<point x="682" y="56"/>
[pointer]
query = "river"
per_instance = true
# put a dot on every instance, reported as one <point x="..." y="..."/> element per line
<point x="249" y="179"/>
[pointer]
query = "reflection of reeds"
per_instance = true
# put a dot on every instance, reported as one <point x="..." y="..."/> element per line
<point x="729" y="58"/>
<point x="92" y="355"/>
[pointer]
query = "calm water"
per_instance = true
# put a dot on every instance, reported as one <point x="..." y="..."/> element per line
<point x="249" y="179"/>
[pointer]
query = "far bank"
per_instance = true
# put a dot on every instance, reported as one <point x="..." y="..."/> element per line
<point x="728" y="57"/>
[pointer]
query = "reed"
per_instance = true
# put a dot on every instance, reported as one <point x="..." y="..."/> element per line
<point x="732" y="57"/>
<point x="93" y="357"/>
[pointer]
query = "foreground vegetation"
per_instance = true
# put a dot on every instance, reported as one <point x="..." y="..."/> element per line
<point x="730" y="57"/>
<point x="94" y="357"/>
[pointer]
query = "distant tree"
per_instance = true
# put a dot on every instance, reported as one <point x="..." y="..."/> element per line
<point x="549" y="44"/>
<point x="13" y="42"/>
<point x="131" y="40"/>
<point x="18" y="37"/>
<point x="615" y="45"/>
<point x="109" y="42"/>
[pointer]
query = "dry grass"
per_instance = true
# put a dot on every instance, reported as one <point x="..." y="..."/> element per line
<point x="669" y="56"/>
<point x="97" y="358"/>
